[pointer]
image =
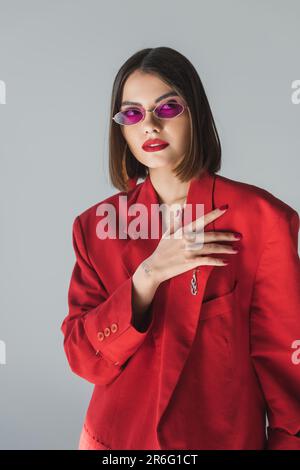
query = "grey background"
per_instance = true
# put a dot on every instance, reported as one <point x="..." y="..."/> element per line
<point x="58" y="60"/>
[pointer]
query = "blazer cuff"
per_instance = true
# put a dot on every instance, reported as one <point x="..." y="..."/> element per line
<point x="109" y="328"/>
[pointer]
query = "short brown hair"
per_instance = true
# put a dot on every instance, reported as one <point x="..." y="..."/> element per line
<point x="177" y="71"/>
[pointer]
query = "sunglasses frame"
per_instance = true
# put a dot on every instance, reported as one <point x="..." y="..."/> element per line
<point x="143" y="110"/>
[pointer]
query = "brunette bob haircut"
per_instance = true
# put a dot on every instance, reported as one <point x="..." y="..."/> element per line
<point x="177" y="71"/>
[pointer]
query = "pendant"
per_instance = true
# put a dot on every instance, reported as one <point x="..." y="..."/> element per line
<point x="194" y="286"/>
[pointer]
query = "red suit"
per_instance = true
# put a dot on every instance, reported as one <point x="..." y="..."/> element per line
<point x="211" y="365"/>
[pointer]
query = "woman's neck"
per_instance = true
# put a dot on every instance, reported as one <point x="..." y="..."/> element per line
<point x="169" y="188"/>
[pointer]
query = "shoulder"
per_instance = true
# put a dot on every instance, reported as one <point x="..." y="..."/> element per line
<point x="255" y="200"/>
<point x="87" y="219"/>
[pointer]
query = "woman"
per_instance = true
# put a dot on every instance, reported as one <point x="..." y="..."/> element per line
<point x="186" y="351"/>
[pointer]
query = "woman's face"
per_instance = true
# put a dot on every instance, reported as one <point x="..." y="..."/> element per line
<point x="145" y="89"/>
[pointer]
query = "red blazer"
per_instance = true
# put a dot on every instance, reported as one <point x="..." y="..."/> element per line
<point x="211" y="365"/>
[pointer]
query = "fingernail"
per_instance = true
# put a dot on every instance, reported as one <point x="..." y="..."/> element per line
<point x="224" y="207"/>
<point x="237" y="235"/>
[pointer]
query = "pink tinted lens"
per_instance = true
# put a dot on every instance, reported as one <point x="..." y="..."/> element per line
<point x="129" y="116"/>
<point x="169" y="110"/>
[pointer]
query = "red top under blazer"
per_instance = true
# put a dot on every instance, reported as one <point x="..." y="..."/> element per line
<point x="210" y="366"/>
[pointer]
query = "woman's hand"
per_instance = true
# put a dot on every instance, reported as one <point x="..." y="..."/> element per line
<point x="179" y="250"/>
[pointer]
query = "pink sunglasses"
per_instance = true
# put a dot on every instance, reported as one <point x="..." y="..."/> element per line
<point x="135" y="114"/>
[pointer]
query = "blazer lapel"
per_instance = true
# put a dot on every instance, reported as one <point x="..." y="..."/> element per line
<point x="182" y="308"/>
<point x="175" y="308"/>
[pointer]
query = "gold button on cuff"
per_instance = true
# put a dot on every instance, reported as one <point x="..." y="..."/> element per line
<point x="107" y="331"/>
<point x="100" y="336"/>
<point x="114" y="327"/>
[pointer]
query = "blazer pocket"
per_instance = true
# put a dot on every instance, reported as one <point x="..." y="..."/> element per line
<point x="216" y="345"/>
<point x="218" y="305"/>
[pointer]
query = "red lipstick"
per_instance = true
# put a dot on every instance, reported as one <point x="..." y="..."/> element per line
<point x="153" y="145"/>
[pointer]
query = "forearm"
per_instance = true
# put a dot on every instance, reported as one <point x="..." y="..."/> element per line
<point x="144" y="287"/>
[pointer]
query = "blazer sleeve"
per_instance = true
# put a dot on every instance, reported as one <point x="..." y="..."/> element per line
<point x="274" y="328"/>
<point x="99" y="337"/>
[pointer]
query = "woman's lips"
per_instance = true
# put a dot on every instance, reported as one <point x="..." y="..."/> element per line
<point x="155" y="148"/>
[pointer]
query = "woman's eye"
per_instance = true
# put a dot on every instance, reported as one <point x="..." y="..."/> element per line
<point x="168" y="105"/>
<point x="131" y="112"/>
